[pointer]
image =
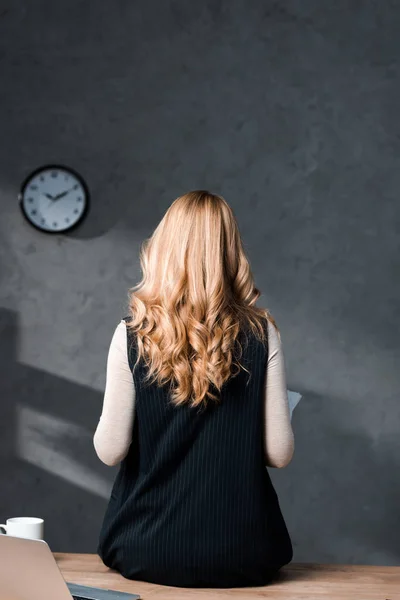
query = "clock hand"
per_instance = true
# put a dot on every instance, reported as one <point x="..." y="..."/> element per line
<point x="49" y="196"/>
<point x="60" y="195"/>
<point x="63" y="194"/>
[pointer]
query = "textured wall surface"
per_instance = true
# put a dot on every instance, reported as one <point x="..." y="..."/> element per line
<point x="290" y="110"/>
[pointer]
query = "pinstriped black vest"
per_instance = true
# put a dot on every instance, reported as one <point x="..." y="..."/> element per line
<point x="193" y="504"/>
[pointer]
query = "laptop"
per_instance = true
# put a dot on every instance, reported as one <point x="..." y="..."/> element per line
<point x="28" y="571"/>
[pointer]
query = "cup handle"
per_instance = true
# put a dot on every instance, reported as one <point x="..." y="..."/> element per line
<point x="3" y="527"/>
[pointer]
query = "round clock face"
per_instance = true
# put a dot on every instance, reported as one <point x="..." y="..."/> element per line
<point x="54" y="198"/>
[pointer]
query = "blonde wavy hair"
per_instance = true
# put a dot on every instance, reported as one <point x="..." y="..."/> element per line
<point x="196" y="294"/>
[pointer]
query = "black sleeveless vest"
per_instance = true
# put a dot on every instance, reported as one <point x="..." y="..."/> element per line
<point x="193" y="504"/>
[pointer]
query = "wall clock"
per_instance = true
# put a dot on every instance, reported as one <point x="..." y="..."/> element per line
<point x="54" y="198"/>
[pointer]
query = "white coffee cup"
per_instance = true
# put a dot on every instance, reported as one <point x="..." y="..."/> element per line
<point x="24" y="527"/>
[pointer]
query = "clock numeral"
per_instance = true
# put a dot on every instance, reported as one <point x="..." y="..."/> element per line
<point x="33" y="187"/>
<point x="41" y="178"/>
<point x="54" y="174"/>
<point x="43" y="221"/>
<point x="34" y="212"/>
<point x="76" y="211"/>
<point x="79" y="199"/>
<point x="66" y="220"/>
<point x="30" y="199"/>
<point x="76" y="186"/>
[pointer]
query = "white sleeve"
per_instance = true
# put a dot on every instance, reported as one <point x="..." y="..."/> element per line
<point x="278" y="433"/>
<point x="113" y="435"/>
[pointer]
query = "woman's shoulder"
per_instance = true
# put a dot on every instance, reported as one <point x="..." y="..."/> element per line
<point x="272" y="327"/>
<point x="120" y="333"/>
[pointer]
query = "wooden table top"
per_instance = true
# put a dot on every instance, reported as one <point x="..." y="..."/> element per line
<point x="296" y="582"/>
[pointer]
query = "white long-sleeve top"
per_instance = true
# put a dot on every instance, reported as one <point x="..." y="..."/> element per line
<point x="113" y="435"/>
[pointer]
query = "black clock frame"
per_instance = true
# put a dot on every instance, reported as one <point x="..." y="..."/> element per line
<point x="47" y="167"/>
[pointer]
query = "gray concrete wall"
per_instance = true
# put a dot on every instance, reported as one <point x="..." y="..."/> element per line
<point x="289" y="109"/>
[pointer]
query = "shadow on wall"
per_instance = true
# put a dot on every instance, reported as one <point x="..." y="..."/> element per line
<point x="344" y="485"/>
<point x="48" y="465"/>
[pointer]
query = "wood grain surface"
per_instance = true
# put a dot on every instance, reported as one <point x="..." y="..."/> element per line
<point x="295" y="582"/>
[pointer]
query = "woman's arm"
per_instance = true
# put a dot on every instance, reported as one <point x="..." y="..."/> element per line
<point x="278" y="433"/>
<point x="114" y="432"/>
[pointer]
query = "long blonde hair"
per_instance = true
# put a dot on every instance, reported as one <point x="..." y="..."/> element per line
<point x="197" y="292"/>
